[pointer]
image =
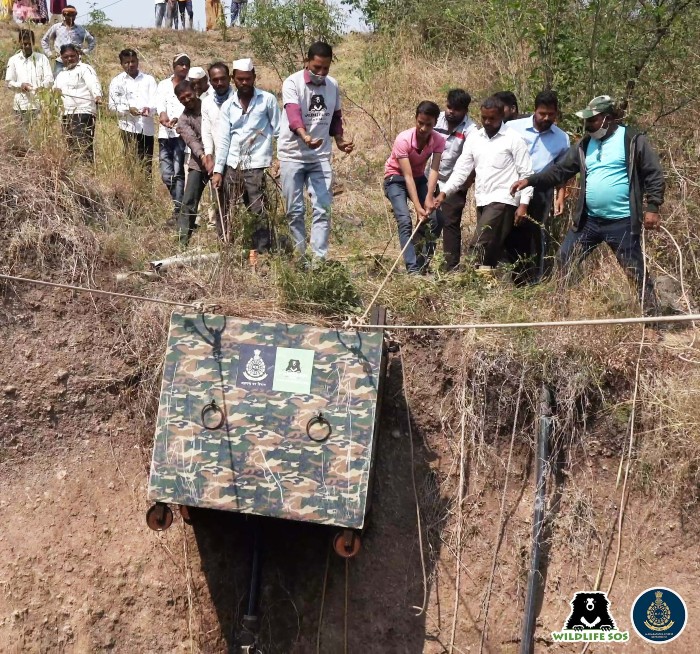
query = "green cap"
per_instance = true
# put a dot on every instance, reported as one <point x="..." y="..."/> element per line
<point x="602" y="104"/>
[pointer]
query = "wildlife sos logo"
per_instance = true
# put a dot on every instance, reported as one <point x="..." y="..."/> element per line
<point x="659" y="615"/>
<point x="590" y="620"/>
<point x="317" y="103"/>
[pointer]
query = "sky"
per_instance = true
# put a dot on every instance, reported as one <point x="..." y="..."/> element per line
<point x="140" y="13"/>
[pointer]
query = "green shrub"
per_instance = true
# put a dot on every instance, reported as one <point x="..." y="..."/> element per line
<point x="282" y="31"/>
<point x="324" y="287"/>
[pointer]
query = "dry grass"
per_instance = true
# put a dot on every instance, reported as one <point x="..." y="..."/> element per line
<point x="67" y="221"/>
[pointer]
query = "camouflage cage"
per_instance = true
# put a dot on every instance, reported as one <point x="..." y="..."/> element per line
<point x="271" y="419"/>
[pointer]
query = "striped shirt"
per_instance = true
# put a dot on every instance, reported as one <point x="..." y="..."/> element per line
<point x="454" y="142"/>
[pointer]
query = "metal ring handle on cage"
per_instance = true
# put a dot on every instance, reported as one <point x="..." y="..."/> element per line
<point x="210" y="410"/>
<point x="319" y="419"/>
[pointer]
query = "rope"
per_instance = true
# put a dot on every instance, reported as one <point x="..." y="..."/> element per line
<point x="96" y="291"/>
<point x="539" y="325"/>
<point x="680" y="268"/>
<point x="349" y="323"/>
<point x="345" y="615"/>
<point x="460" y="502"/>
<point x="625" y="452"/>
<point x="323" y="600"/>
<point x="501" y="524"/>
<point x="224" y="230"/>
<point x="420" y="609"/>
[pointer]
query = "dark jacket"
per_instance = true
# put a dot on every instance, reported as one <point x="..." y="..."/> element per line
<point x="643" y="169"/>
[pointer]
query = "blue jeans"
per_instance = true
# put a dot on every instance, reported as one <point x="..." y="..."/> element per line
<point x="171" y="157"/>
<point x="396" y="192"/>
<point x="620" y="239"/>
<point x="317" y="178"/>
<point x="238" y="9"/>
<point x="183" y="7"/>
<point x="160" y="13"/>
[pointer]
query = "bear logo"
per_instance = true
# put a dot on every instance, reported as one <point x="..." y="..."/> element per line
<point x="318" y="103"/>
<point x="590" y="610"/>
<point x="293" y="366"/>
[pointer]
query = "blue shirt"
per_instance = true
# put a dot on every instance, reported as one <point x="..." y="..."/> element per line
<point x="545" y="147"/>
<point x="607" y="182"/>
<point x="63" y="35"/>
<point x="245" y="139"/>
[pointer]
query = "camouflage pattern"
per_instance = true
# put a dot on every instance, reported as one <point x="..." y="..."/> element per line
<point x="261" y="460"/>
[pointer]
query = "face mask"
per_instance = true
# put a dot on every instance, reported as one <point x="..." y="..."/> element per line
<point x="316" y="79"/>
<point x="600" y="133"/>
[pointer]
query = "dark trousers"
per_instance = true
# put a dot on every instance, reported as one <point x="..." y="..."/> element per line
<point x="419" y="251"/>
<point x="449" y="223"/>
<point x="142" y="146"/>
<point x="186" y="220"/>
<point x="494" y="222"/>
<point x="620" y="239"/>
<point x="80" y="134"/>
<point x="171" y="157"/>
<point x="527" y="244"/>
<point x="248" y="186"/>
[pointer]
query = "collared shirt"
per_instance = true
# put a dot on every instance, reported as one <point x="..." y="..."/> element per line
<point x="499" y="163"/>
<point x="34" y="70"/>
<point x="166" y="101"/>
<point x="406" y="147"/>
<point x="63" y="35"/>
<point x="245" y="139"/>
<point x="544" y="147"/>
<point x="138" y="92"/>
<point x="80" y="87"/>
<point x="454" y="143"/>
<point x="211" y="111"/>
<point x="318" y="104"/>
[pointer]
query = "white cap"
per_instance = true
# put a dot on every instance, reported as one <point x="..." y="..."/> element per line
<point x="244" y="65"/>
<point x="196" y="73"/>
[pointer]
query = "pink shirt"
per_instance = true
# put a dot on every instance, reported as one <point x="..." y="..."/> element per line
<point x="405" y="147"/>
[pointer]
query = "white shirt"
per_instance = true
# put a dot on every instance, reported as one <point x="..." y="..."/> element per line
<point x="80" y="87"/>
<point x="210" y="122"/>
<point x="166" y="101"/>
<point x="318" y="103"/>
<point x="138" y="92"/>
<point x="245" y="139"/>
<point x="34" y="70"/>
<point x="499" y="162"/>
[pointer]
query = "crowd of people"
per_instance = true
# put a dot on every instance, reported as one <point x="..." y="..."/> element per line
<point x="36" y="11"/>
<point x="170" y="12"/>
<point x="217" y="129"/>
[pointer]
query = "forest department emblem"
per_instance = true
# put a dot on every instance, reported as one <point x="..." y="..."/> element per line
<point x="255" y="369"/>
<point x="658" y="614"/>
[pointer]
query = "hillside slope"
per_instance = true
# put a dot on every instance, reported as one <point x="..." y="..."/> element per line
<point x="81" y="572"/>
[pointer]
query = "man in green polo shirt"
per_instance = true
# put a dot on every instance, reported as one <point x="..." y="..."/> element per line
<point x="622" y="188"/>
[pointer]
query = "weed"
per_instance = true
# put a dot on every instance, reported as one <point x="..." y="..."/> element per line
<point x="325" y="287"/>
